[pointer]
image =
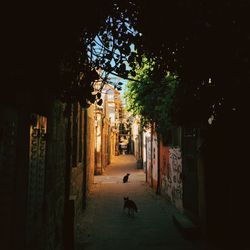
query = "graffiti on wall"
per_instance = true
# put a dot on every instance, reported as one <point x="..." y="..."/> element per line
<point x="173" y="177"/>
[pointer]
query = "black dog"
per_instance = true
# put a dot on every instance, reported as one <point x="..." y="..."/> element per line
<point x="125" y="178"/>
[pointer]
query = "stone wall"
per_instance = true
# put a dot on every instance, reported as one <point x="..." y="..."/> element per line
<point x="32" y="173"/>
<point x="54" y="204"/>
<point x="76" y="175"/>
<point x="90" y="150"/>
<point x="105" y="144"/>
<point x="8" y="158"/>
<point x="37" y="189"/>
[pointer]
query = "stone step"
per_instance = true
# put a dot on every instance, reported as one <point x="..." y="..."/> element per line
<point x="187" y="228"/>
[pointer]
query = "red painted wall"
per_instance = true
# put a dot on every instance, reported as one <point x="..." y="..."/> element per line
<point x="164" y="166"/>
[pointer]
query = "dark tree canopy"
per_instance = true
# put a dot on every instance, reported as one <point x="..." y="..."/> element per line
<point x="40" y="46"/>
<point x="205" y="43"/>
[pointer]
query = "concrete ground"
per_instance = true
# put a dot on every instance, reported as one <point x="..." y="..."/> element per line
<point x="104" y="225"/>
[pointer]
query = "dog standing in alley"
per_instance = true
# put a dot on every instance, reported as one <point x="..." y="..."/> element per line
<point x="130" y="205"/>
<point x="125" y="178"/>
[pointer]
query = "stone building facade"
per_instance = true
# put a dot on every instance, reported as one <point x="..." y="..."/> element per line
<point x="46" y="170"/>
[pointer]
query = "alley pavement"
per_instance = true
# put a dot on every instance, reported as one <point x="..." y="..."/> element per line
<point x="105" y="226"/>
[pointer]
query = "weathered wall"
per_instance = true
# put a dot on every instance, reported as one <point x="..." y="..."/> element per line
<point x="149" y="166"/>
<point x="33" y="167"/>
<point x="164" y="169"/>
<point x="41" y="172"/>
<point x="155" y="161"/>
<point x="76" y="186"/>
<point x="76" y="175"/>
<point x="112" y="144"/>
<point x="144" y="151"/>
<point x="98" y="141"/>
<point x="90" y="161"/>
<point x="135" y="138"/>
<point x="171" y="174"/>
<point x="105" y="143"/>
<point x="55" y="178"/>
<point x="175" y="186"/>
<point x="12" y="188"/>
<point x="36" y="180"/>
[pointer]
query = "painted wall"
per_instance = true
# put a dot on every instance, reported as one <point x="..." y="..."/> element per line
<point x="171" y="175"/>
<point x="164" y="168"/>
<point x="135" y="137"/>
<point x="98" y="142"/>
<point x="154" y="161"/>
<point x="149" y="167"/>
<point x="144" y="151"/>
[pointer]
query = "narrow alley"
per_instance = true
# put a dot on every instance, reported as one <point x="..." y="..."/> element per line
<point x="104" y="225"/>
<point x="94" y="90"/>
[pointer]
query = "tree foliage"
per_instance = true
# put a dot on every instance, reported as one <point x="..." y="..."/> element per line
<point x="152" y="99"/>
<point x="205" y="43"/>
<point x="46" y="51"/>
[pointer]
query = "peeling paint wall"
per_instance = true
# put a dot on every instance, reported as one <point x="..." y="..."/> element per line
<point x="164" y="168"/>
<point x="171" y="175"/>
